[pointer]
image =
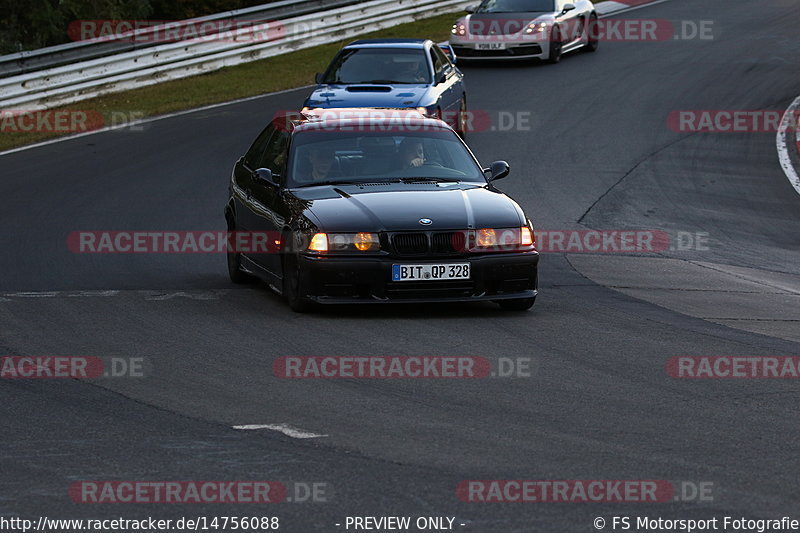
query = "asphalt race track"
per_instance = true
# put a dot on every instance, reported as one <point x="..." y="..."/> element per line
<point x="598" y="404"/>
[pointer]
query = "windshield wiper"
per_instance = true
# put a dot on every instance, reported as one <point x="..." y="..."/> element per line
<point x="389" y="81"/>
<point x="429" y="179"/>
<point x="348" y="182"/>
<point x="330" y="182"/>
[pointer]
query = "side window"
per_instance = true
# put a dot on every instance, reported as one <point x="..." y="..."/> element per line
<point x="253" y="156"/>
<point x="446" y="64"/>
<point x="275" y="154"/>
<point x="438" y="66"/>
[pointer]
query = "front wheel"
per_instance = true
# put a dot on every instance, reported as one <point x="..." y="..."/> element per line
<point x="235" y="272"/>
<point x="522" y="304"/>
<point x="556" y="46"/>
<point x="592" y="39"/>
<point x="293" y="287"/>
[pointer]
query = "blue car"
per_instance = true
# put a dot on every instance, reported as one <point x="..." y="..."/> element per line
<point x="394" y="73"/>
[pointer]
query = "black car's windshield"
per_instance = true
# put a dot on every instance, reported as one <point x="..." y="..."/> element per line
<point x="516" y="6"/>
<point x="379" y="65"/>
<point x="347" y="157"/>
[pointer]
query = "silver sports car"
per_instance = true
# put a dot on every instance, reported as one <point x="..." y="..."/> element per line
<point x="525" y="29"/>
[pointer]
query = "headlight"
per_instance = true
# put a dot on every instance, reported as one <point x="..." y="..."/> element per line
<point x="344" y="242"/>
<point x="319" y="243"/>
<point x="502" y="240"/>
<point x="534" y="27"/>
<point x="459" y="29"/>
<point x="366" y="241"/>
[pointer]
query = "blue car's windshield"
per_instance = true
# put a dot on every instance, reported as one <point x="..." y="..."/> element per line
<point x="379" y="65"/>
<point x="516" y="6"/>
<point x="336" y="156"/>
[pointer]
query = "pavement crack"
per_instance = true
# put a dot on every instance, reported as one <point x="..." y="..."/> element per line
<point x="679" y="289"/>
<point x="629" y="172"/>
<point x="743" y="278"/>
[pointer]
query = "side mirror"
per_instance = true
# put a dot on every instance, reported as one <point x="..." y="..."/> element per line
<point x="498" y="170"/>
<point x="568" y="8"/>
<point x="265" y="175"/>
<point x="471" y="9"/>
<point x="441" y="77"/>
<point x="318" y="78"/>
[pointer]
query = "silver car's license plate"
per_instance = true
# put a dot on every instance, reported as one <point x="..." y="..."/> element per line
<point x="430" y="272"/>
<point x="490" y="46"/>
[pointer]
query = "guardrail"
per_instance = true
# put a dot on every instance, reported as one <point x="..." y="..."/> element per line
<point x="87" y="79"/>
<point x="84" y="50"/>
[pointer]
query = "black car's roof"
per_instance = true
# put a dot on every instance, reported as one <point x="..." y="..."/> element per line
<point x="388" y="43"/>
<point x="370" y="119"/>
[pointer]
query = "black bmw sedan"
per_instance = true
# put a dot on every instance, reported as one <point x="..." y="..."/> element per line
<point x="376" y="206"/>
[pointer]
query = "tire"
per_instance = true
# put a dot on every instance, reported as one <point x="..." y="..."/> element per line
<point x="235" y="272"/>
<point x="556" y="46"/>
<point x="461" y="120"/>
<point x="591" y="34"/>
<point x="293" y="287"/>
<point x="522" y="304"/>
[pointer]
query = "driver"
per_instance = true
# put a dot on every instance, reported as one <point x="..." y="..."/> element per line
<point x="412" y="153"/>
<point x="412" y="71"/>
<point x="322" y="160"/>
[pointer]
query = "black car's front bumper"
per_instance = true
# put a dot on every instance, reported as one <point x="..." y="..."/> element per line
<point x="331" y="279"/>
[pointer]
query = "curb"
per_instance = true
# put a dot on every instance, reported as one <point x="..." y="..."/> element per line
<point x="612" y="6"/>
<point x="788" y="144"/>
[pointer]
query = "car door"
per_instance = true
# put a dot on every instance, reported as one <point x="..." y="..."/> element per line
<point x="571" y="22"/>
<point x="266" y="199"/>
<point x="243" y="178"/>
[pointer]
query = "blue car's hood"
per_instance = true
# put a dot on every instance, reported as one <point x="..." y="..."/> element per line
<point x="366" y="95"/>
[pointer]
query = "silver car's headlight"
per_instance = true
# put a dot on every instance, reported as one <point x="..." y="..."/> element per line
<point x="535" y="27"/>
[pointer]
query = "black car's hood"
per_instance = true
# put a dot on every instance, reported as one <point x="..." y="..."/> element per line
<point x="387" y="208"/>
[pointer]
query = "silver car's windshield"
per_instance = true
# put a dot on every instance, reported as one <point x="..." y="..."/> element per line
<point x="516" y="6"/>
<point x="324" y="157"/>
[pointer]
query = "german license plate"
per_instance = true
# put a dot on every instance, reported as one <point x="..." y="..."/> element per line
<point x="490" y="46"/>
<point x="430" y="272"/>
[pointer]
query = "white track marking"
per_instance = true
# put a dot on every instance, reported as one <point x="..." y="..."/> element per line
<point x="181" y="294"/>
<point x="89" y="294"/>
<point x="30" y="294"/>
<point x="784" y="133"/>
<point x="148" y="120"/>
<point x="286" y="429"/>
<point x="610" y="7"/>
<point x="149" y="295"/>
<point x="58" y="294"/>
<point x="623" y="8"/>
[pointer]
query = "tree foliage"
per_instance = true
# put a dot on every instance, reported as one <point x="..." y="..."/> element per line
<point x="31" y="24"/>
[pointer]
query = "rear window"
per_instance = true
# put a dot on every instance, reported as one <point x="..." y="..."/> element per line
<point x="516" y="6"/>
